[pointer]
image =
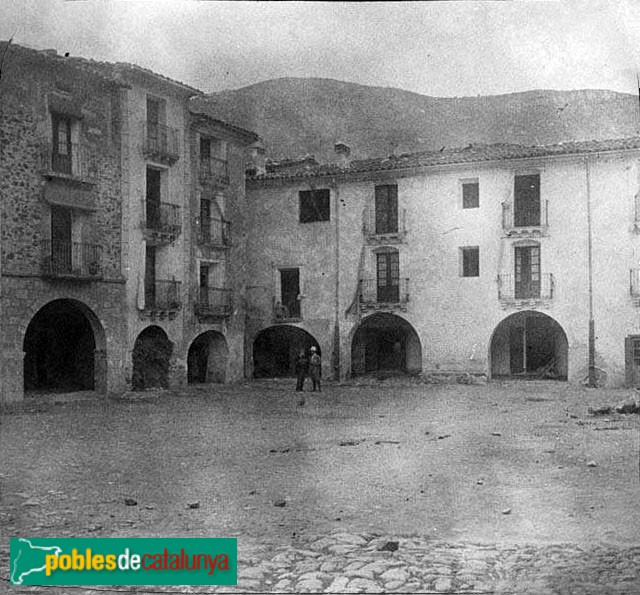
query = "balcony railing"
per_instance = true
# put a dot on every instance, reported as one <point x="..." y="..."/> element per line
<point x="214" y="301"/>
<point x="287" y="311"/>
<point x="372" y="293"/>
<point x="162" y="220"/>
<point x="516" y="223"/>
<point x="512" y="290"/>
<point x="212" y="170"/>
<point x="71" y="260"/>
<point x="215" y="232"/>
<point x="162" y="295"/>
<point x="160" y="143"/>
<point x="389" y="231"/>
<point x="70" y="160"/>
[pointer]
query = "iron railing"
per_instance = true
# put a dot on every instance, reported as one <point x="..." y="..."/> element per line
<point x="510" y="289"/>
<point x="372" y="292"/>
<point x="512" y="220"/>
<point x="288" y="310"/>
<point x="163" y="217"/>
<point x="160" y="142"/>
<point x="372" y="227"/>
<point x="213" y="170"/>
<point x="214" y="301"/>
<point x="162" y="295"/>
<point x="215" y="232"/>
<point x="71" y="160"/>
<point x="71" y="260"/>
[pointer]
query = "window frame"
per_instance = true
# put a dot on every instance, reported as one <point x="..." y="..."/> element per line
<point x="473" y="182"/>
<point x="466" y="268"/>
<point x="307" y="204"/>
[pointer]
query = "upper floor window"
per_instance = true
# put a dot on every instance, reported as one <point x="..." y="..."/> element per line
<point x="386" y="209"/>
<point x="526" y="200"/>
<point x="62" y="147"/>
<point x="470" y="256"/>
<point x="314" y="205"/>
<point x="470" y="194"/>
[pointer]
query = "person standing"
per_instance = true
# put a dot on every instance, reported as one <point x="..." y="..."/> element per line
<point x="314" y="369"/>
<point x="302" y="368"/>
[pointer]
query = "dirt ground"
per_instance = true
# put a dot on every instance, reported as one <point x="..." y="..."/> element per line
<point x="501" y="463"/>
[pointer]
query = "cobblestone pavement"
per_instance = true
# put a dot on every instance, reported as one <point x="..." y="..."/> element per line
<point x="353" y="563"/>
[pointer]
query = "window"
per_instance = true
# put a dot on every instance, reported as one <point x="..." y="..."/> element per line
<point x="289" y="304"/>
<point x="526" y="202"/>
<point x="314" y="205"/>
<point x="527" y="272"/>
<point x="387" y="209"/>
<point x="213" y="157"/>
<point x="470" y="261"/>
<point x="61" y="154"/>
<point x="388" y="277"/>
<point x="153" y="198"/>
<point x="470" y="194"/>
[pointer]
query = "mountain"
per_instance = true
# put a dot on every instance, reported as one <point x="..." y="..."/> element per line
<point x="298" y="116"/>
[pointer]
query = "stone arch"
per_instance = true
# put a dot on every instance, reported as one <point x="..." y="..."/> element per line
<point x="529" y="344"/>
<point x="276" y="347"/>
<point x="207" y="358"/>
<point x="151" y="357"/>
<point x="385" y="342"/>
<point x="65" y="349"/>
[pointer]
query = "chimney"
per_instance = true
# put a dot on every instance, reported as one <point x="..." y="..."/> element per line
<point x="257" y="154"/>
<point x="344" y="154"/>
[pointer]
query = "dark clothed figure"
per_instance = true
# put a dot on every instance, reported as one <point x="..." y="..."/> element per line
<point x="314" y="370"/>
<point x="302" y="368"/>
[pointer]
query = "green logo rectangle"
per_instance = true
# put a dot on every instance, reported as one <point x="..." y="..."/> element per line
<point x="124" y="561"/>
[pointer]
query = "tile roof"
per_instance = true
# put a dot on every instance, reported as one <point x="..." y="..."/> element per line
<point x="472" y="153"/>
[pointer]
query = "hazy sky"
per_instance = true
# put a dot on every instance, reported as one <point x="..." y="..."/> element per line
<point x="433" y="48"/>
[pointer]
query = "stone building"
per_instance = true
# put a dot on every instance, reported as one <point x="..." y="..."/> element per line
<point x="494" y="259"/>
<point x="122" y="229"/>
<point x="62" y="281"/>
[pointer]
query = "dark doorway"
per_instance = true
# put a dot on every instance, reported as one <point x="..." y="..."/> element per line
<point x="388" y="277"/>
<point x="61" y="226"/>
<point x="150" y="277"/>
<point x="527" y="272"/>
<point x="275" y="350"/>
<point x="385" y="343"/>
<point x="526" y="200"/>
<point x="154" y="193"/>
<point x="386" y="209"/>
<point x="529" y="345"/>
<point x="151" y="358"/>
<point x="290" y="291"/>
<point x="59" y="348"/>
<point x="207" y="358"/>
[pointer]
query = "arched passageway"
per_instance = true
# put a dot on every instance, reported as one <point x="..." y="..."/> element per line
<point x="207" y="358"/>
<point x="529" y="345"/>
<point x="64" y="349"/>
<point x="385" y="342"/>
<point x="275" y="350"/>
<point x="151" y="358"/>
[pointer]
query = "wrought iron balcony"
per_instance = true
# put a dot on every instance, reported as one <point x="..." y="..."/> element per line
<point x="510" y="289"/>
<point x="215" y="232"/>
<point x="212" y="170"/>
<point x="72" y="161"/>
<point x="71" y="260"/>
<point x="162" y="223"/>
<point x="162" y="295"/>
<point x="214" y="302"/>
<point x="520" y="223"/>
<point x="374" y="295"/>
<point x="379" y="231"/>
<point x="287" y="311"/>
<point x="160" y="143"/>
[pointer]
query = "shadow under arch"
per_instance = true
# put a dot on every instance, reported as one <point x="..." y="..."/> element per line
<point x="207" y="358"/>
<point x="529" y="344"/>
<point x="151" y="357"/>
<point x="276" y="347"/>
<point x="385" y="342"/>
<point x="65" y="349"/>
